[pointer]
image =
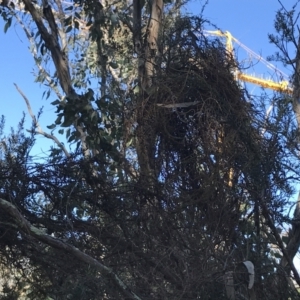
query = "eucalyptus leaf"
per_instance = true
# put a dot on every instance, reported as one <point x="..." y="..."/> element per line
<point x="51" y="126"/>
<point x="56" y="102"/>
<point x="114" y="65"/>
<point x="7" y="25"/>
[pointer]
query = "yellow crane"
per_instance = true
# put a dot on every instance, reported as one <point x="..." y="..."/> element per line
<point x="282" y="86"/>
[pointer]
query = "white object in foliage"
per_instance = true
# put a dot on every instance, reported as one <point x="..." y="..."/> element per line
<point x="250" y="267"/>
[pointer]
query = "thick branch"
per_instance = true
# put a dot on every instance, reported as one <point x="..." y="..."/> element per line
<point x="151" y="49"/>
<point x="137" y="20"/>
<point x="149" y="52"/>
<point x="59" y="58"/>
<point x="296" y="90"/>
<point x="27" y="228"/>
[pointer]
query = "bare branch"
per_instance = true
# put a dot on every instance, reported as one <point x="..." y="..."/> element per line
<point x="284" y="250"/>
<point x="39" y="129"/>
<point x="27" y="228"/>
<point x="151" y="49"/>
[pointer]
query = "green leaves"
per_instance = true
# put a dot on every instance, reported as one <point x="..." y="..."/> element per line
<point x="51" y="126"/>
<point x="43" y="49"/>
<point x="68" y="21"/>
<point x="56" y="102"/>
<point x="70" y="8"/>
<point x="69" y="119"/>
<point x="69" y="28"/>
<point x="72" y="21"/>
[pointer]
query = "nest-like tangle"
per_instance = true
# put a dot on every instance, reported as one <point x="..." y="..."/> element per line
<point x="203" y="143"/>
<point x="200" y="131"/>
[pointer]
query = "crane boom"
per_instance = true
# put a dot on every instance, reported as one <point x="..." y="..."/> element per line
<point x="282" y="86"/>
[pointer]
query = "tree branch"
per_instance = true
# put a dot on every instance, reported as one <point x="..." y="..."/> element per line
<point x="59" y="58"/>
<point x="39" y="129"/>
<point x="36" y="59"/>
<point x="285" y="251"/>
<point x="27" y="228"/>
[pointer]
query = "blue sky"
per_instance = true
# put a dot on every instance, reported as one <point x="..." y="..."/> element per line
<point x="17" y="66"/>
<point x="249" y="21"/>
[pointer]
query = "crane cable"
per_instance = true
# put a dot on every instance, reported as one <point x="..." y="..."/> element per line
<point x="231" y="38"/>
